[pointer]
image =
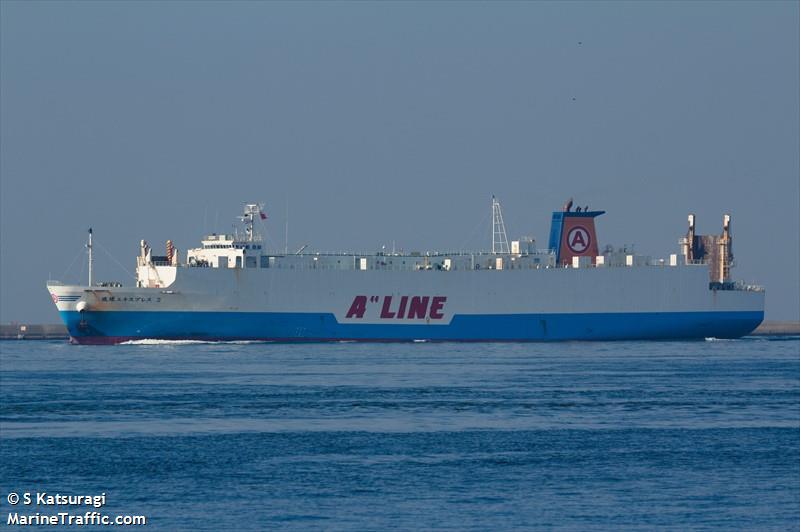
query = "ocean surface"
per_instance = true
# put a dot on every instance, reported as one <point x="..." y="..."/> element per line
<point x="583" y="436"/>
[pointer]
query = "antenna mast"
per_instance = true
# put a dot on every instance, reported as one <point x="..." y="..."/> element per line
<point x="251" y="211"/>
<point x="91" y="259"/>
<point x="499" y="238"/>
<point x="286" y="229"/>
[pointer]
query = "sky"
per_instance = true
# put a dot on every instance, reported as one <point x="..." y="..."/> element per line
<point x="381" y="123"/>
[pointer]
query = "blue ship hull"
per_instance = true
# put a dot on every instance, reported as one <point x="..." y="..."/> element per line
<point x="116" y="327"/>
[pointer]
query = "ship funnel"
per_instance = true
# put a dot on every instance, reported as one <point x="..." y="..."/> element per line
<point x="725" y="250"/>
<point x="687" y="243"/>
<point x="573" y="234"/>
<point x="714" y="250"/>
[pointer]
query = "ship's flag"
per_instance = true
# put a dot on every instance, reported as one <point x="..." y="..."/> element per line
<point x="263" y="215"/>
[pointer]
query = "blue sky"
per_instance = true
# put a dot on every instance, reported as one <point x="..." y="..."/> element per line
<point x="383" y="122"/>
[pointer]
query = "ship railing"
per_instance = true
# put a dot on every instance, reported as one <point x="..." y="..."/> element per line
<point x="739" y="286"/>
<point x="748" y="287"/>
<point x="482" y="254"/>
<point x="412" y="254"/>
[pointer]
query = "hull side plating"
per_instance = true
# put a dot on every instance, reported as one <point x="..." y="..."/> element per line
<point x="305" y="303"/>
<point x="115" y="327"/>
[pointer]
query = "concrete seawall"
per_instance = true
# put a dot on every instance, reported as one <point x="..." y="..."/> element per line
<point x="778" y="328"/>
<point x="57" y="331"/>
<point x="14" y="331"/>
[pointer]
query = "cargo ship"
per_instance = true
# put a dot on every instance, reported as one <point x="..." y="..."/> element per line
<point x="231" y="288"/>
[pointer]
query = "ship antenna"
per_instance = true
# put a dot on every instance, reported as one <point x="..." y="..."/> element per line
<point x="499" y="238"/>
<point x="251" y="211"/>
<point x="91" y="259"/>
<point x="286" y="229"/>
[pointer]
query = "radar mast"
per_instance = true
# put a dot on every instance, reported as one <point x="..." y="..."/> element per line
<point x="499" y="238"/>
<point x="251" y="211"/>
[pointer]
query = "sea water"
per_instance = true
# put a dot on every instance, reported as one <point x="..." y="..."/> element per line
<point x="220" y="436"/>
